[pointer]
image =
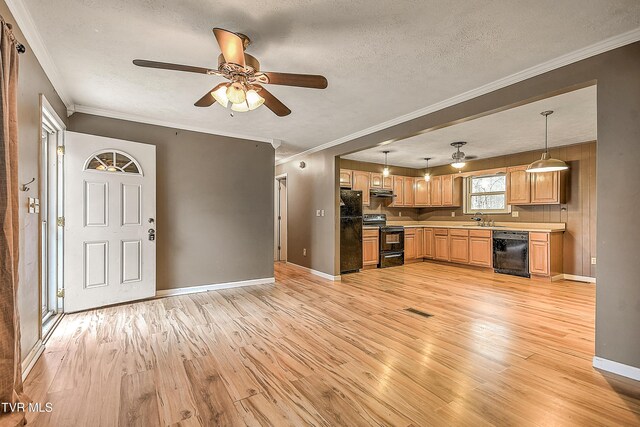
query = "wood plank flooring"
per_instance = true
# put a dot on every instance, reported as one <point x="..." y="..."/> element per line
<point x="499" y="350"/>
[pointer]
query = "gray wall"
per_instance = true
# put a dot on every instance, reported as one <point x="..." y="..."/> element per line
<point x="31" y="83"/>
<point x="215" y="202"/>
<point x="618" y="155"/>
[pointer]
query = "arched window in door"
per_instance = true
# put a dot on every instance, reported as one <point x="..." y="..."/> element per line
<point x="113" y="161"/>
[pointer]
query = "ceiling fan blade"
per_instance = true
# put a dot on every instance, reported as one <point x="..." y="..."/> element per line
<point x="273" y="103"/>
<point x="208" y="100"/>
<point x="231" y="45"/>
<point x="300" y="80"/>
<point x="175" y="67"/>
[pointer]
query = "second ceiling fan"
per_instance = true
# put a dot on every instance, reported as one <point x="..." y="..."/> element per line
<point x="245" y="90"/>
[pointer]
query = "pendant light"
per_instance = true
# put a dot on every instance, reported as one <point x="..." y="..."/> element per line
<point x="458" y="157"/>
<point x="427" y="175"/>
<point x="546" y="163"/>
<point x="385" y="171"/>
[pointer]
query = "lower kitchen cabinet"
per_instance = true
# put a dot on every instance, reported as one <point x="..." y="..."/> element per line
<point x="480" y="248"/>
<point x="441" y="244"/>
<point x="410" y="249"/>
<point x="459" y="246"/>
<point x="545" y="254"/>
<point x="370" y="247"/>
<point x="428" y="243"/>
<point x="419" y="243"/>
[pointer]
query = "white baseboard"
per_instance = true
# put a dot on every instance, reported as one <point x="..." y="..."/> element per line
<point x="317" y="273"/>
<point x="575" y="278"/>
<point x="31" y="359"/>
<point x="213" y="287"/>
<point x="616" y="368"/>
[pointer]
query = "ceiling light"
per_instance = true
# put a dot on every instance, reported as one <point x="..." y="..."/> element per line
<point x="235" y="93"/>
<point x="546" y="163"/>
<point x="220" y="96"/>
<point x="427" y="175"/>
<point x="242" y="107"/>
<point x="253" y="99"/>
<point x="459" y="156"/>
<point x="111" y="169"/>
<point x="385" y="170"/>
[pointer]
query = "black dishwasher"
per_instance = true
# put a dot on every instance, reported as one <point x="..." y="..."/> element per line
<point x="511" y="252"/>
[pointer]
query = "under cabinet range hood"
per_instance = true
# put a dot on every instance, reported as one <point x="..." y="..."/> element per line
<point x="380" y="192"/>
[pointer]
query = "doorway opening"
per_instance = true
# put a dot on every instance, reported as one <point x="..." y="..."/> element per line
<point x="281" y="218"/>
<point x="51" y="217"/>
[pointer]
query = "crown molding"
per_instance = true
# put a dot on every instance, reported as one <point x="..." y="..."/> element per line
<point x="561" y="61"/>
<point x="34" y="40"/>
<point x="148" y="120"/>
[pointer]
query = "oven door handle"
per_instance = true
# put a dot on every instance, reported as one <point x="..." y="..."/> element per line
<point x="392" y="256"/>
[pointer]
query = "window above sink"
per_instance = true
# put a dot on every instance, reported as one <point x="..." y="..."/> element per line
<point x="486" y="194"/>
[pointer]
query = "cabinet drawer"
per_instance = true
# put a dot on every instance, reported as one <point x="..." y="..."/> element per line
<point x="441" y="231"/>
<point x="458" y="232"/>
<point x="479" y="233"/>
<point x="370" y="232"/>
<point x="409" y="231"/>
<point x="539" y="237"/>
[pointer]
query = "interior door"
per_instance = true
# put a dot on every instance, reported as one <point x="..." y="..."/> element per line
<point x="110" y="210"/>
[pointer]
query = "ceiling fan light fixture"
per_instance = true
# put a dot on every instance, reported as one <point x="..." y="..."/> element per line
<point x="254" y="100"/>
<point x="241" y="107"/>
<point x="546" y="163"/>
<point x="458" y="165"/>
<point x="220" y="95"/>
<point x="236" y="93"/>
<point x="459" y="156"/>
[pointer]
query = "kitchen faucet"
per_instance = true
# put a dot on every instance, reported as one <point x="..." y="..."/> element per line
<point x="479" y="219"/>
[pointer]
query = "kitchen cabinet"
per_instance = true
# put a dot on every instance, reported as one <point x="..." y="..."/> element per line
<point x="398" y="191"/>
<point x="545" y="188"/>
<point x="451" y="197"/>
<point x="409" y="244"/>
<point x="408" y="190"/>
<point x="518" y="186"/>
<point x="345" y="178"/>
<point x="361" y="182"/>
<point x="545" y="254"/>
<point x="459" y="246"/>
<point x="370" y="247"/>
<point x="421" y="193"/>
<point x="376" y="180"/>
<point x="428" y="243"/>
<point x="480" y="248"/>
<point x="387" y="182"/>
<point x="419" y="243"/>
<point x="436" y="190"/>
<point x="441" y="244"/>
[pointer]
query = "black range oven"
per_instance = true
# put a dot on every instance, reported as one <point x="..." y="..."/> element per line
<point x="391" y="246"/>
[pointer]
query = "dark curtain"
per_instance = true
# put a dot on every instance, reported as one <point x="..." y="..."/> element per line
<point x="10" y="363"/>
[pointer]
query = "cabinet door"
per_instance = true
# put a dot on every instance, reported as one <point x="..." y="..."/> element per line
<point x="409" y="191"/>
<point x="447" y="190"/>
<point x="459" y="249"/>
<point x="345" y="178"/>
<point x="421" y="192"/>
<point x="539" y="257"/>
<point x="409" y="246"/>
<point x="428" y="243"/>
<point x="545" y="187"/>
<point x="387" y="182"/>
<point x="518" y="186"/>
<point x="419" y="243"/>
<point x="398" y="191"/>
<point x="370" y="250"/>
<point x="376" y="180"/>
<point x="436" y="190"/>
<point x="441" y="244"/>
<point x="361" y="182"/>
<point x="480" y="251"/>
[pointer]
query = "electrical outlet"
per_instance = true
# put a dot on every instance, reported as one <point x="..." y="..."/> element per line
<point x="453" y="213"/>
<point x="593" y="260"/>
<point x="304" y="252"/>
<point x="400" y="213"/>
<point x="515" y="214"/>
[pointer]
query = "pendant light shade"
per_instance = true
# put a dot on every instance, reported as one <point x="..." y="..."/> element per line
<point x="427" y="175"/>
<point x="385" y="170"/>
<point x="547" y="163"/>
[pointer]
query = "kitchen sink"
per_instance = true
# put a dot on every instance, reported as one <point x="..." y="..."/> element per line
<point x="485" y="226"/>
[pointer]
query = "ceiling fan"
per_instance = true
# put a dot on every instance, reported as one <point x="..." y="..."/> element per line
<point x="459" y="158"/>
<point x="244" y="91"/>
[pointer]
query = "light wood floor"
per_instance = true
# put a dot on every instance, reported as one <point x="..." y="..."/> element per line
<point x="498" y="350"/>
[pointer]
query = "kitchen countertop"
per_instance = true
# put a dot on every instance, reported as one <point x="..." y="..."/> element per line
<point x="543" y="227"/>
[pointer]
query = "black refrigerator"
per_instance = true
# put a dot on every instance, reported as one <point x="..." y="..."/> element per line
<point x="350" y="231"/>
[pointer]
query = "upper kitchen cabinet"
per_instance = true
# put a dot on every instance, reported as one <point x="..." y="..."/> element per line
<point x="421" y="194"/>
<point x="451" y="190"/>
<point x="518" y="186"/>
<point x="387" y="182"/>
<point x="436" y="190"/>
<point x="361" y="181"/>
<point x="408" y="188"/>
<point x="398" y="191"/>
<point x="345" y="178"/>
<point x="376" y="180"/>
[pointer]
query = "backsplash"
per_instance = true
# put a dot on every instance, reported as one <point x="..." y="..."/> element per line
<point x="379" y="205"/>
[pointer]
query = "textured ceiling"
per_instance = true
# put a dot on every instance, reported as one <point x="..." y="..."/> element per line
<point x="512" y="131"/>
<point x="383" y="59"/>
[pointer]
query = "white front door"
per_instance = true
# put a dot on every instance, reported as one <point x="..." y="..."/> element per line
<point x="110" y="211"/>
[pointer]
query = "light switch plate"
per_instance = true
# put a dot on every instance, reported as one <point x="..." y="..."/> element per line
<point x="515" y="214"/>
<point x="304" y="252"/>
<point x="593" y="260"/>
<point x="318" y="212"/>
<point x="322" y="212"/>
